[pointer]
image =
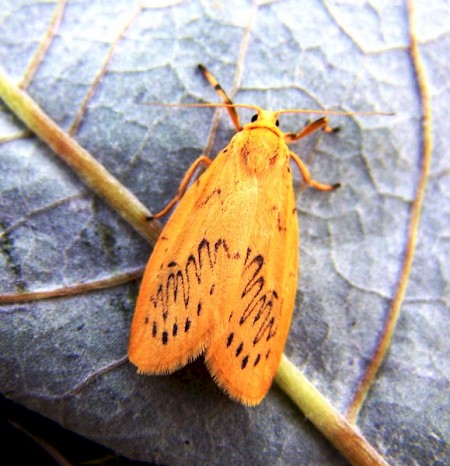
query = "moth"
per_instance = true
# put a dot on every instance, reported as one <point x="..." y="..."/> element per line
<point x="222" y="278"/>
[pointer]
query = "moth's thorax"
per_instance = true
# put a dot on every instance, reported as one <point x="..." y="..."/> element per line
<point x="261" y="146"/>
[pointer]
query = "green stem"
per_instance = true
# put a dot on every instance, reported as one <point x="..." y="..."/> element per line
<point x="334" y="426"/>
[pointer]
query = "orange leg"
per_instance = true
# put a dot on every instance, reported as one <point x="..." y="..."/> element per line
<point x="183" y="185"/>
<point x="307" y="176"/>
<point x="321" y="123"/>
<point x="223" y="95"/>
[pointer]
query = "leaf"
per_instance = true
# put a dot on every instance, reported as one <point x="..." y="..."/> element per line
<point x="56" y="233"/>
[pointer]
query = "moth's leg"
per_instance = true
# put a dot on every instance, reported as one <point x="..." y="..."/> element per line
<point x="321" y="123"/>
<point x="307" y="176"/>
<point x="183" y="185"/>
<point x="223" y="95"/>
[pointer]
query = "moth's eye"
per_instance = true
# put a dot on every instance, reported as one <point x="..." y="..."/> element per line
<point x="277" y="123"/>
<point x="254" y="118"/>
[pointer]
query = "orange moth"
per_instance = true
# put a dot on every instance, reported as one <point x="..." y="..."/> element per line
<point x="222" y="278"/>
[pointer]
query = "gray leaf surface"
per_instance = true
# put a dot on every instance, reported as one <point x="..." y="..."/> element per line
<point x="55" y="232"/>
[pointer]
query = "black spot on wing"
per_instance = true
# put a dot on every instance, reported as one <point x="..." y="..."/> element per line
<point x="187" y="324"/>
<point x="244" y="361"/>
<point x="280" y="223"/>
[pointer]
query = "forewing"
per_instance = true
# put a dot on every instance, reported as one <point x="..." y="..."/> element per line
<point x="192" y="271"/>
<point x="244" y="355"/>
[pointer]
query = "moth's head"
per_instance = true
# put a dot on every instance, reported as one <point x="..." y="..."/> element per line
<point x="264" y="119"/>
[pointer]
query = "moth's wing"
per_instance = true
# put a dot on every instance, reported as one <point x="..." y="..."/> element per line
<point x="191" y="269"/>
<point x="245" y="352"/>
